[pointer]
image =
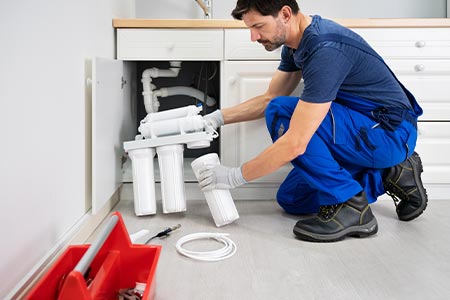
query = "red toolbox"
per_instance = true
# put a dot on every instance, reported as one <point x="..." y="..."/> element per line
<point x="100" y="270"/>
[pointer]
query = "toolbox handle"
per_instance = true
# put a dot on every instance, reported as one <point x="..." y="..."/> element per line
<point x="87" y="258"/>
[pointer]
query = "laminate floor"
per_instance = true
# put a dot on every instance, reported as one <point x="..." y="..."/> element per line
<point x="405" y="260"/>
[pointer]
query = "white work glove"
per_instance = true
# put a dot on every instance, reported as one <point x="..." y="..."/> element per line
<point x="214" y="119"/>
<point x="213" y="177"/>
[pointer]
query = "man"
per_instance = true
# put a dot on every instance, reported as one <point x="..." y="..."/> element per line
<point x="350" y="135"/>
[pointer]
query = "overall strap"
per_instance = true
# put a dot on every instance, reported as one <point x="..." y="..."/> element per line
<point x="339" y="38"/>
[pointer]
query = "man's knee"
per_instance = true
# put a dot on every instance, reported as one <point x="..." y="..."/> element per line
<point x="273" y="107"/>
<point x="279" y="109"/>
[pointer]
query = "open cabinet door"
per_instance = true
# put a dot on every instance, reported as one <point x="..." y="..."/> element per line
<point x="113" y="122"/>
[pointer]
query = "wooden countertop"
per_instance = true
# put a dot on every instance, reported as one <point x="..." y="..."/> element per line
<point x="216" y="23"/>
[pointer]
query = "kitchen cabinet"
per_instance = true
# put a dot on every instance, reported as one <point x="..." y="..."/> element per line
<point x="420" y="57"/>
<point x="149" y="48"/>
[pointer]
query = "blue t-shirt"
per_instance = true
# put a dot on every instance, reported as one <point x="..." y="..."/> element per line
<point x="331" y="67"/>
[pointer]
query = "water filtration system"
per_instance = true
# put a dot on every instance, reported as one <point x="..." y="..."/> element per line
<point x="165" y="133"/>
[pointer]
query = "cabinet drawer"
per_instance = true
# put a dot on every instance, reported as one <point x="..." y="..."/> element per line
<point x="433" y="145"/>
<point x="408" y="42"/>
<point x="429" y="81"/>
<point x="388" y="42"/>
<point x="170" y="44"/>
<point x="239" y="46"/>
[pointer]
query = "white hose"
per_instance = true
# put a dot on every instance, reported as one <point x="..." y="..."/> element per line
<point x="225" y="252"/>
<point x="185" y="90"/>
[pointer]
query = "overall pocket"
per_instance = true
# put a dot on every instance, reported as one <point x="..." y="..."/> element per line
<point x="393" y="147"/>
<point x="336" y="121"/>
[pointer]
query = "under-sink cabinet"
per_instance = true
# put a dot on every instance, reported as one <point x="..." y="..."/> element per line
<point x="420" y="57"/>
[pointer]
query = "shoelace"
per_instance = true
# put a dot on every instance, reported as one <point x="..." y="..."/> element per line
<point x="327" y="211"/>
<point x="396" y="192"/>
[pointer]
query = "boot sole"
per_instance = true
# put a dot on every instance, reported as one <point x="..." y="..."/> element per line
<point x="422" y="192"/>
<point x="360" y="231"/>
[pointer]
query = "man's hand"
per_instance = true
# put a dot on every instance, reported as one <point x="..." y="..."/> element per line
<point x="213" y="177"/>
<point x="214" y="119"/>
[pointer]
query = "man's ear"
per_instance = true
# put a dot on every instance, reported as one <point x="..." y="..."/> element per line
<point x="285" y="14"/>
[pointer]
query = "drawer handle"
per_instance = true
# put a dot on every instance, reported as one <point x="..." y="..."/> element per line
<point x="171" y="47"/>
<point x="419" y="68"/>
<point x="420" y="44"/>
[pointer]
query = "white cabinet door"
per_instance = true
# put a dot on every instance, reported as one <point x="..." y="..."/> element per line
<point x="433" y="145"/>
<point x="113" y="122"/>
<point x="242" y="142"/>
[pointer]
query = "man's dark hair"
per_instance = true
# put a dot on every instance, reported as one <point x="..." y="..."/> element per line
<point x="264" y="7"/>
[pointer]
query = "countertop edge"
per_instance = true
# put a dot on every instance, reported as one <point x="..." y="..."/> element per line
<point x="228" y="23"/>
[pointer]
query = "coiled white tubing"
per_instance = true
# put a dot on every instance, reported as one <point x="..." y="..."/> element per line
<point x="229" y="247"/>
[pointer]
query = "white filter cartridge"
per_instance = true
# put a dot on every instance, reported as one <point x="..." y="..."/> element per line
<point x="170" y="159"/>
<point x="220" y="202"/>
<point x="185" y="111"/>
<point x="143" y="181"/>
<point x="222" y="207"/>
<point x="172" y="126"/>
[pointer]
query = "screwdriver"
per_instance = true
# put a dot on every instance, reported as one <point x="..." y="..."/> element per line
<point x="164" y="232"/>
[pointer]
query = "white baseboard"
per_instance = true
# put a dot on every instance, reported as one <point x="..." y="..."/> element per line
<point x="260" y="191"/>
<point x="78" y="234"/>
<point x="247" y="192"/>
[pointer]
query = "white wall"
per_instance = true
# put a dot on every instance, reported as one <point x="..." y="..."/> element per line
<point x="376" y="9"/>
<point x="173" y="9"/>
<point x="44" y="57"/>
<point x="45" y="51"/>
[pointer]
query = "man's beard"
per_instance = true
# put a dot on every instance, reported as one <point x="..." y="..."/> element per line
<point x="270" y="46"/>
<point x="280" y="39"/>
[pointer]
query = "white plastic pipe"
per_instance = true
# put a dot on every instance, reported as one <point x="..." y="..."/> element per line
<point x="184" y="90"/>
<point x="147" y="91"/>
<point x="173" y="71"/>
<point x="150" y="101"/>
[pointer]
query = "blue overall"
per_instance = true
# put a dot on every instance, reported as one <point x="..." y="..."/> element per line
<point x="349" y="150"/>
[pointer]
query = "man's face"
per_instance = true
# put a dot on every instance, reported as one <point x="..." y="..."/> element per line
<point x="266" y="30"/>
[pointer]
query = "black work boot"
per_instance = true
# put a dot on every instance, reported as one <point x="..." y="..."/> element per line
<point x="335" y="222"/>
<point x="402" y="182"/>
